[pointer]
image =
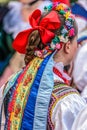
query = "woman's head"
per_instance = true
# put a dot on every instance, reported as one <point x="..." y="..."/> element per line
<point x="68" y="40"/>
<point x="54" y="30"/>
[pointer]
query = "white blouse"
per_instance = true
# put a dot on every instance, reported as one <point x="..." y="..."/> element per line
<point x="84" y="93"/>
<point x="80" y="122"/>
<point x="66" y="109"/>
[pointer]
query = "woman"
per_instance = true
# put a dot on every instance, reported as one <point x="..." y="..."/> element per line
<point x="80" y="66"/>
<point x="38" y="96"/>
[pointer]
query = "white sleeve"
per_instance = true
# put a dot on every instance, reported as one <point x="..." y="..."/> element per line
<point x="66" y="111"/>
<point x="84" y="93"/>
<point x="80" y="122"/>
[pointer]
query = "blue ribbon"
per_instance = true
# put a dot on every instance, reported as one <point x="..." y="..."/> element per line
<point x="43" y="97"/>
<point x="28" y="116"/>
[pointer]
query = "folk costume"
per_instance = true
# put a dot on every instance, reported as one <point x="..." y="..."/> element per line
<point x="38" y="96"/>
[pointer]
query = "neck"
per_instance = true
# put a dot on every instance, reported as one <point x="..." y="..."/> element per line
<point x="58" y="57"/>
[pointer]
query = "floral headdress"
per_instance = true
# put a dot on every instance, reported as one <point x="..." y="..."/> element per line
<point x="66" y="31"/>
<point x="45" y="26"/>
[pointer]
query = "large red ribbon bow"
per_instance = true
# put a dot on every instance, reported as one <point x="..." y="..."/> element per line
<point x="45" y="26"/>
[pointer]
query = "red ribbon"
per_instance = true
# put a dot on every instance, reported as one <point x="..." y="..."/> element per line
<point x="67" y="2"/>
<point x="45" y="26"/>
<point x="57" y="72"/>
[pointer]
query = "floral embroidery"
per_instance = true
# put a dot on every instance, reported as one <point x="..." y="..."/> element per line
<point x="18" y="102"/>
<point x="66" y="31"/>
<point x="59" y="92"/>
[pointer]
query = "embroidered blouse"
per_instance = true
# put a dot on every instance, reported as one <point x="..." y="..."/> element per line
<point x="65" y="103"/>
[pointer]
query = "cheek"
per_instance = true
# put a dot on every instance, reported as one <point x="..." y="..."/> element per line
<point x="75" y="50"/>
<point x="75" y="46"/>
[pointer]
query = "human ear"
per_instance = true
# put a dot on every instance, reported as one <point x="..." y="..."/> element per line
<point x="67" y="47"/>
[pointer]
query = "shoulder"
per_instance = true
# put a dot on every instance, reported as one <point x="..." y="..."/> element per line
<point x="14" y="4"/>
<point x="7" y="84"/>
<point x="10" y="82"/>
<point x="62" y="90"/>
<point x="66" y="96"/>
<point x="13" y="14"/>
<point x="64" y="107"/>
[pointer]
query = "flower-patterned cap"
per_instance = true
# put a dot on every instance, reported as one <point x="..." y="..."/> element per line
<point x="67" y="30"/>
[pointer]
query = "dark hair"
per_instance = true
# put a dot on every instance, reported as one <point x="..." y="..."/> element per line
<point x="33" y="43"/>
<point x="34" y="40"/>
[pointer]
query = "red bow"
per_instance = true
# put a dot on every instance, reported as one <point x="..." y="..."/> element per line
<point x="67" y="2"/>
<point x="45" y="26"/>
